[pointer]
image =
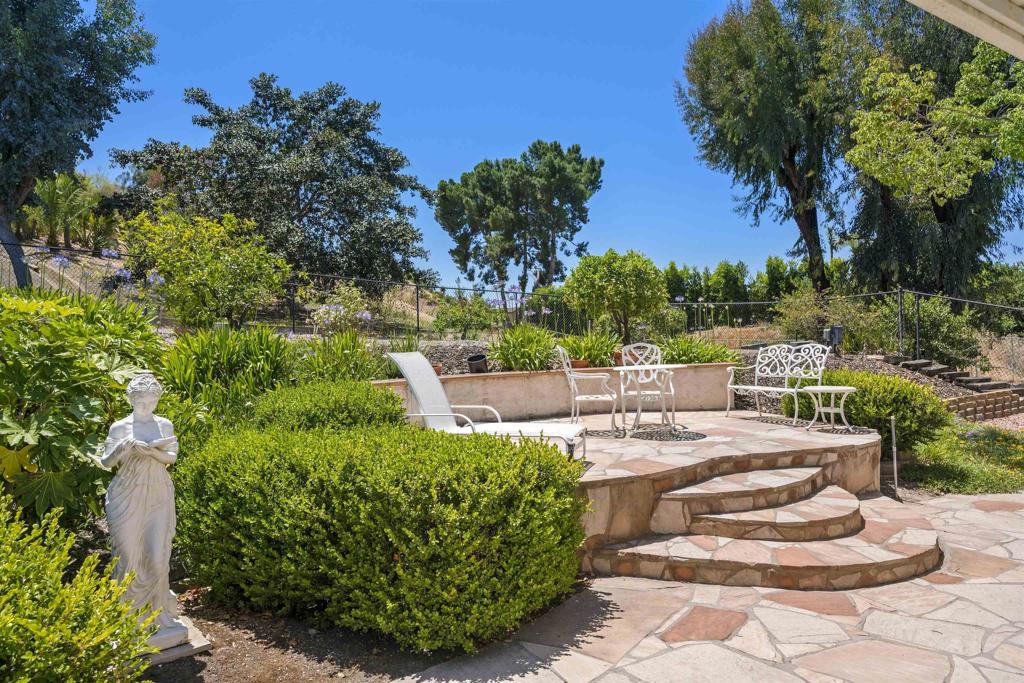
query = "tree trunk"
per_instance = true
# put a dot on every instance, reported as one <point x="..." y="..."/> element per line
<point x="807" y="221"/>
<point x="67" y="235"/>
<point x="12" y="246"/>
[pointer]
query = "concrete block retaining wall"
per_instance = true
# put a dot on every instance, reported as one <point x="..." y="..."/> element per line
<point x="987" y="405"/>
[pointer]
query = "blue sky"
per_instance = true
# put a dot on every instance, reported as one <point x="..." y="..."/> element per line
<point x="464" y="80"/>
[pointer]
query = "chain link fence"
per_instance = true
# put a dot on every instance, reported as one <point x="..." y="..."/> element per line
<point x="973" y="335"/>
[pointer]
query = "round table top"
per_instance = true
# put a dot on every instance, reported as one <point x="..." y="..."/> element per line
<point x="815" y="389"/>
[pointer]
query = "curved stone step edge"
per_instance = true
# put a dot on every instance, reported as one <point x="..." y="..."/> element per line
<point x="673" y="515"/>
<point x="793" y="577"/>
<point x="845" y="524"/>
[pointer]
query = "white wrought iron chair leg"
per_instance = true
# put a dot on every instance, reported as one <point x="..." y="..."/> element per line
<point x="728" y="401"/>
<point x="757" y="402"/>
<point x="796" y="407"/>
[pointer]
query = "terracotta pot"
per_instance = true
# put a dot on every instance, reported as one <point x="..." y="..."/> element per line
<point x="617" y="358"/>
<point x="579" y="364"/>
<point x="438" y="368"/>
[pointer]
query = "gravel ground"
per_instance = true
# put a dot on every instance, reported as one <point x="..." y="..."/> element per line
<point x="1011" y="422"/>
<point x="453" y="354"/>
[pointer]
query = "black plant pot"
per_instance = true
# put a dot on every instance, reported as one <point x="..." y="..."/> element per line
<point x="477" y="362"/>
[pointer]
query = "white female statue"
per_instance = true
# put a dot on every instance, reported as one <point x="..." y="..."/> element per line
<point x="140" y="507"/>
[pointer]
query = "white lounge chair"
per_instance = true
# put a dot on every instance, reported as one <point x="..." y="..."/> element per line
<point x="437" y="413"/>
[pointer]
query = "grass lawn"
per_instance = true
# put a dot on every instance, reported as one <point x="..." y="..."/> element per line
<point x="970" y="458"/>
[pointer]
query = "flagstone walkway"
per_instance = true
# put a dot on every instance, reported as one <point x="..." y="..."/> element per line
<point x="963" y="623"/>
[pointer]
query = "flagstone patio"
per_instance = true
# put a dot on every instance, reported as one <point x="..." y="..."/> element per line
<point x="961" y="623"/>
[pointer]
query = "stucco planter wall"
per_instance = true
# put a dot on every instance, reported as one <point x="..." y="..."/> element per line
<point x="537" y="395"/>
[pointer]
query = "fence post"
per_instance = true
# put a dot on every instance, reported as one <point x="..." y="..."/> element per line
<point x="917" y="326"/>
<point x="899" y="318"/>
<point x="417" y="310"/>
<point x="291" y="304"/>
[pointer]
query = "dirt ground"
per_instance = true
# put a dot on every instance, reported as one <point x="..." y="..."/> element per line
<point x="260" y="648"/>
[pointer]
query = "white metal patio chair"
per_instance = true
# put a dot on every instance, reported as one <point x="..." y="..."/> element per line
<point x="647" y="385"/>
<point x="437" y="413"/>
<point x="574" y="378"/>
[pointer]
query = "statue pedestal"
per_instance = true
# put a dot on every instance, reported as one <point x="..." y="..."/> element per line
<point x="194" y="643"/>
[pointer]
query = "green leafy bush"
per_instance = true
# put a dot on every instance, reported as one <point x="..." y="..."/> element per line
<point x="464" y="315"/>
<point x="59" y="628"/>
<point x="328" y="405"/>
<point x="64" y="363"/>
<point x="684" y="348"/>
<point x="342" y="356"/>
<point x="524" y="347"/>
<point x="596" y="347"/>
<point x="968" y="458"/>
<point x="224" y="369"/>
<point x="920" y="413"/>
<point x="438" y="540"/>
<point x="343" y="309"/>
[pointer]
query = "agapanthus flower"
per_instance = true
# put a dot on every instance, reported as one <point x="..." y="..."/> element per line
<point x="680" y="298"/>
<point x="107" y="252"/>
<point x="364" y="316"/>
<point x="155" y="279"/>
<point x="545" y="311"/>
<point x="529" y="314"/>
<point x="44" y="249"/>
<point x="123" y="274"/>
<point x="61" y="261"/>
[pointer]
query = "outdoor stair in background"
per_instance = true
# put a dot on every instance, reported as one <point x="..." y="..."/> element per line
<point x="915" y="364"/>
<point x="952" y="375"/>
<point x="935" y="369"/>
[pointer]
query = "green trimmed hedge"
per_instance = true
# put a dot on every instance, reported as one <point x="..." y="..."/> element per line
<point x="438" y="540"/>
<point x="55" y="627"/>
<point x="920" y="413"/>
<point x="328" y="405"/>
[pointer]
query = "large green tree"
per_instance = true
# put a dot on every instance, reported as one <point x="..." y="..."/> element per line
<point x="309" y="170"/>
<point x="63" y="73"/>
<point x="933" y="201"/>
<point x="768" y="91"/>
<point x="525" y="211"/>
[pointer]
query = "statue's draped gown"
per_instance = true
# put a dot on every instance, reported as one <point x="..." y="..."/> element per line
<point x="140" y="514"/>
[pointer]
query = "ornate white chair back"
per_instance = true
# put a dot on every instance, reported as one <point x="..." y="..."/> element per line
<point x="564" y="361"/>
<point x="641" y="354"/>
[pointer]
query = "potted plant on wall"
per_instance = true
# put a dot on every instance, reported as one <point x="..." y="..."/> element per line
<point x="590" y="350"/>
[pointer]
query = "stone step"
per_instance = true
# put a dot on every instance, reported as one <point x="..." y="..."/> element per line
<point x="989" y="386"/>
<point x="968" y="381"/>
<point x="738" y="492"/>
<point x="1017" y="389"/>
<point x="882" y="552"/>
<point x="915" y="364"/>
<point x="895" y="359"/>
<point x="953" y="375"/>
<point x="934" y="369"/>
<point x="829" y="513"/>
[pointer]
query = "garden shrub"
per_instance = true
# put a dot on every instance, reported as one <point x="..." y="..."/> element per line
<point x="685" y="348"/>
<point x="55" y="627"/>
<point x="64" y="363"/>
<point x="341" y="356"/>
<point x="343" y="309"/>
<point x="438" y="540"/>
<point x="524" y="347"/>
<point x="465" y="315"/>
<point x="969" y="459"/>
<point x="920" y="413"/>
<point x="596" y="347"/>
<point x="224" y="369"/>
<point x="328" y="405"/>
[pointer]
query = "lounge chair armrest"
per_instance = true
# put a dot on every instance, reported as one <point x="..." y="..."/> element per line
<point x="733" y="368"/>
<point x="497" y="416"/>
<point x="469" y="422"/>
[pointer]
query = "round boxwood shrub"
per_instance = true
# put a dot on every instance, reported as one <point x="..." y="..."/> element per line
<point x="920" y="413"/>
<point x="60" y="627"/>
<point x="438" y="540"/>
<point x="328" y="405"/>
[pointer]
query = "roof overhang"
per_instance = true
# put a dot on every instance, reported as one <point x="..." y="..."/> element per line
<point x="999" y="22"/>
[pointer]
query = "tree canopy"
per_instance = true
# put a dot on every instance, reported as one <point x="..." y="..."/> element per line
<point x="624" y="286"/>
<point x="308" y="170"/>
<point x="768" y="91"/>
<point x="63" y="74"/>
<point x="524" y="211"/>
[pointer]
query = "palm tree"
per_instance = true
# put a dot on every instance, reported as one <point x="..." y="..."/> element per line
<point x="62" y="202"/>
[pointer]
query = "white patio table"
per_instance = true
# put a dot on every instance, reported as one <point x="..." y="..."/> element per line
<point x="631" y="374"/>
